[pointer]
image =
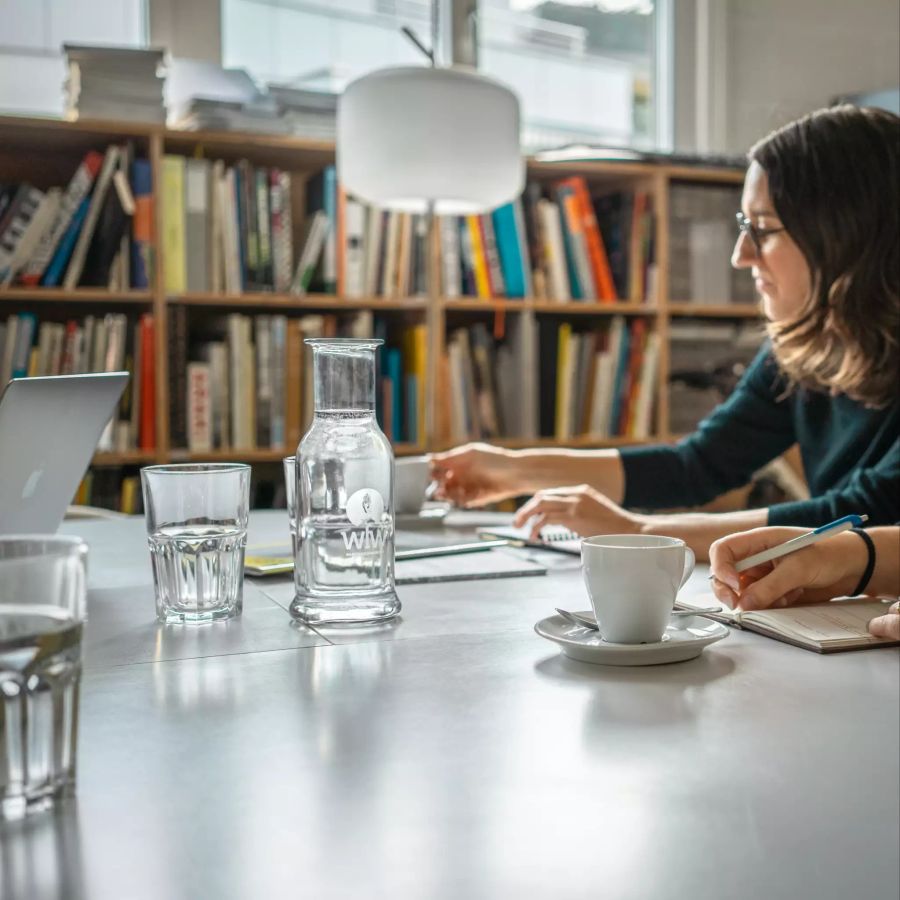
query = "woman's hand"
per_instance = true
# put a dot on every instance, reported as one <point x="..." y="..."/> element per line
<point x="888" y="625"/>
<point x="811" y="575"/>
<point x="581" y="509"/>
<point x="476" y="474"/>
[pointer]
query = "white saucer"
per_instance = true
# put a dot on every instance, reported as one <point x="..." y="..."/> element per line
<point x="678" y="644"/>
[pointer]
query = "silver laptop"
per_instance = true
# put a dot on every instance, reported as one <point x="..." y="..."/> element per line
<point x="49" y="429"/>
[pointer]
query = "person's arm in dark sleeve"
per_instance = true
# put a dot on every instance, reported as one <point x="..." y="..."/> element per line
<point x="874" y="491"/>
<point x="751" y="428"/>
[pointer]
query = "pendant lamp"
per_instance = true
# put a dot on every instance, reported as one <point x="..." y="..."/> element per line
<point x="441" y="139"/>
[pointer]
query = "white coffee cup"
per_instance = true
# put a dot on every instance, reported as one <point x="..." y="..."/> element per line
<point x="410" y="483"/>
<point x="632" y="581"/>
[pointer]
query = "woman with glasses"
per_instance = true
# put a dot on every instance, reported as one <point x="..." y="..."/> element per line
<point x="819" y="231"/>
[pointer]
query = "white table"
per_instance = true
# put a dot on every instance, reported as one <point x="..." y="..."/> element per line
<point x="454" y="754"/>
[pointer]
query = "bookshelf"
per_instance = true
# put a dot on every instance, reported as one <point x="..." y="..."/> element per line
<point x="46" y="152"/>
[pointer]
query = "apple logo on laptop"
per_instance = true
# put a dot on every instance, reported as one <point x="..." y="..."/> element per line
<point x="31" y="484"/>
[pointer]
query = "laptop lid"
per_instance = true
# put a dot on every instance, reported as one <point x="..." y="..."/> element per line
<point x="49" y="429"/>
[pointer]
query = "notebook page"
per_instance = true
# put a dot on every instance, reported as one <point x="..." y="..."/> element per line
<point x="824" y="624"/>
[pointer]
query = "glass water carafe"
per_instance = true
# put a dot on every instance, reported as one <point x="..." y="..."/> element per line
<point x="344" y="565"/>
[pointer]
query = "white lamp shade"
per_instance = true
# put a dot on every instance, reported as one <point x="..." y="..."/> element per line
<point x="409" y="136"/>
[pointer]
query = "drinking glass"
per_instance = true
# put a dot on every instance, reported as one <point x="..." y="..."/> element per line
<point x="197" y="527"/>
<point x="43" y="586"/>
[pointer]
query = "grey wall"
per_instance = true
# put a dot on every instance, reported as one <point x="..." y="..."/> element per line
<point x="787" y="57"/>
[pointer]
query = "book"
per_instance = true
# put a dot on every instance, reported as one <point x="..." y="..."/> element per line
<point x="840" y="624"/>
<point x="313" y="246"/>
<point x="199" y="407"/>
<point x="172" y="224"/>
<point x="197" y="173"/>
<point x="16" y="222"/>
<point x="86" y="235"/>
<point x="112" y="225"/>
<point x="142" y="224"/>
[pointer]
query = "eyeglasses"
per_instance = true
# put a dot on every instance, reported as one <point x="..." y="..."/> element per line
<point x="745" y="226"/>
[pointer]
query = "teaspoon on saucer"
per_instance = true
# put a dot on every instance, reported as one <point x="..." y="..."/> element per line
<point x="590" y="622"/>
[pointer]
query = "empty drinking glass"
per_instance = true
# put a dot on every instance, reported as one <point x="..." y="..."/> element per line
<point x="197" y="526"/>
<point x="43" y="585"/>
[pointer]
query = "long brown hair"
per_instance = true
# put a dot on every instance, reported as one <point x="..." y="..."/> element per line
<point x="834" y="182"/>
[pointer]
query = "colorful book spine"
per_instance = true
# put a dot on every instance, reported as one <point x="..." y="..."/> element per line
<point x="511" y="244"/>
<point x="173" y="225"/>
<point x="142" y="224"/>
<point x="479" y="260"/>
<point x="282" y="229"/>
<point x="147" y="433"/>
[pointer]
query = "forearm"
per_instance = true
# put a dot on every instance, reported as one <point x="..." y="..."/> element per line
<point x="543" y="469"/>
<point x="699" y="530"/>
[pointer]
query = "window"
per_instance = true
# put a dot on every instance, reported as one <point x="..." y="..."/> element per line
<point x="32" y="68"/>
<point x="585" y="70"/>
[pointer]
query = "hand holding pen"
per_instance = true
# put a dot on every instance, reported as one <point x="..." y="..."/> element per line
<point x="780" y="566"/>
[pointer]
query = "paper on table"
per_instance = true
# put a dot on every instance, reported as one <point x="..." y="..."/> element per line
<point x="464" y="567"/>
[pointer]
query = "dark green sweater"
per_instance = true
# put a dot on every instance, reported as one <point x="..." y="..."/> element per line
<point x="851" y="454"/>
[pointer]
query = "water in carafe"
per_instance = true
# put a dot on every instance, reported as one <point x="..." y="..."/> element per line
<point x="344" y="563"/>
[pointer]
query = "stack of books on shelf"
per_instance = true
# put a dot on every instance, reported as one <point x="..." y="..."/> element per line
<point x="213" y="114"/>
<point x="242" y="382"/>
<point x="559" y="242"/>
<point x="702" y="235"/>
<point x="109" y="343"/>
<point x="706" y="360"/>
<point x="114" y="83"/>
<point x="548" y="380"/>
<point x="306" y="113"/>
<point x="204" y="96"/>
<point x="231" y="229"/>
<point x="93" y="232"/>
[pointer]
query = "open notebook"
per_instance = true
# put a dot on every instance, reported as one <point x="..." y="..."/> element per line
<point x="553" y="537"/>
<point x="841" y="624"/>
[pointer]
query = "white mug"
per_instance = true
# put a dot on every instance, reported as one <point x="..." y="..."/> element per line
<point x="410" y="483"/>
<point x="632" y="581"/>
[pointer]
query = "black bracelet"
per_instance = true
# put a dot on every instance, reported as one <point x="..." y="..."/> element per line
<point x="870" y="565"/>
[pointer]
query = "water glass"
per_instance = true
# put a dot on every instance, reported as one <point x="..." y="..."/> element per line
<point x="197" y="527"/>
<point x="43" y="587"/>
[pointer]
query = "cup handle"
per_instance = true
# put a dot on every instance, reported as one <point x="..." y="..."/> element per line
<point x="689" y="562"/>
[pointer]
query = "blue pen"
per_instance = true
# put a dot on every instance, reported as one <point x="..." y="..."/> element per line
<point x="798" y="543"/>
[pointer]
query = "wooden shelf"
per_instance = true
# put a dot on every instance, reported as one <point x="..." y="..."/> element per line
<point x="271" y="300"/>
<point x="578" y="308"/>
<point x="716" y="311"/>
<point x="263" y="455"/>
<point x="717" y="174"/>
<point x="77" y="295"/>
<point x="125" y="458"/>
<point x="592" y="308"/>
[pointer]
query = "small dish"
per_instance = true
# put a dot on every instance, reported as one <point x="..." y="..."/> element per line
<point x="680" y="643"/>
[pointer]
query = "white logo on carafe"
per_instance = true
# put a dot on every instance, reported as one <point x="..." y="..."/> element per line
<point x="364" y="509"/>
